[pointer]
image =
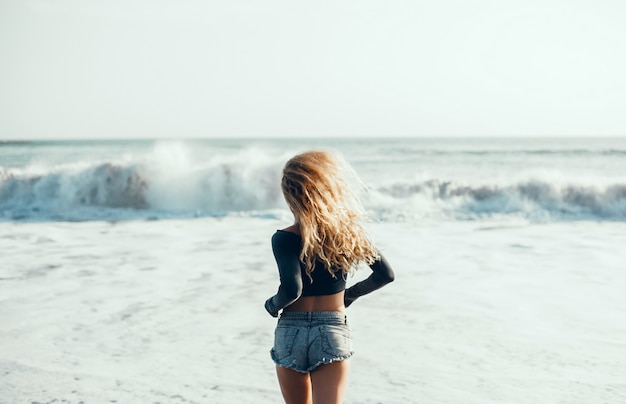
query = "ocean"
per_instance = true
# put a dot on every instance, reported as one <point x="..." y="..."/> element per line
<point x="136" y="270"/>
<point x="407" y="179"/>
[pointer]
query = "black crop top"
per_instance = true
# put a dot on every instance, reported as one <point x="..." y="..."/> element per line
<point x="294" y="282"/>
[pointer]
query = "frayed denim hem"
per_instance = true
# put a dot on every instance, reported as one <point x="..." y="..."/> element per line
<point x="292" y="365"/>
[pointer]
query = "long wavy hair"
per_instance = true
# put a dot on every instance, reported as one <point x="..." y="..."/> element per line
<point x="327" y="209"/>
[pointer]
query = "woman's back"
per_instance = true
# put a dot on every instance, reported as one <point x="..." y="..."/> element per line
<point x="333" y="302"/>
<point x="312" y="337"/>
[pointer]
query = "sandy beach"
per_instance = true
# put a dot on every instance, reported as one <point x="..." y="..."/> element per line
<point x="172" y="311"/>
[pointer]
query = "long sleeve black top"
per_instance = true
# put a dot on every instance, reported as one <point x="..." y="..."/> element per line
<point x="294" y="282"/>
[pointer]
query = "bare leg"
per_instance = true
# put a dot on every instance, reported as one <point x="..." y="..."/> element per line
<point x="329" y="382"/>
<point x="295" y="386"/>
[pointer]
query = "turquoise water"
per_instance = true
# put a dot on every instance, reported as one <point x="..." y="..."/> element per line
<point x="407" y="179"/>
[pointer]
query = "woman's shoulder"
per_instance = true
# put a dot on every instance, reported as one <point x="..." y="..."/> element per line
<point x="294" y="228"/>
<point x="291" y="232"/>
<point x="286" y="236"/>
<point x="283" y="240"/>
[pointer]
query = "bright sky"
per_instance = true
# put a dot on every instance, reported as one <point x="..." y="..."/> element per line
<point x="203" y="68"/>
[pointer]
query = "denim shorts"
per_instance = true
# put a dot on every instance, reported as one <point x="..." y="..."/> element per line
<point x="304" y="340"/>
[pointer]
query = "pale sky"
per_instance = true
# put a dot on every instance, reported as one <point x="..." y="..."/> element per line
<point x="187" y="68"/>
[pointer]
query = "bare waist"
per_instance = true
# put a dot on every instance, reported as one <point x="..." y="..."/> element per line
<point x="332" y="302"/>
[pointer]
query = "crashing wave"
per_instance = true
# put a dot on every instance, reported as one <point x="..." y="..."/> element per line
<point x="531" y="199"/>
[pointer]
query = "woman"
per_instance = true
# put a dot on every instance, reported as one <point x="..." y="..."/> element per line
<point x="314" y="256"/>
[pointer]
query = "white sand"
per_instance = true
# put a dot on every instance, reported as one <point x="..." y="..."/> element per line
<point x="172" y="312"/>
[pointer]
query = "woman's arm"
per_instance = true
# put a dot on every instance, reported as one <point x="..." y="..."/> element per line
<point x="286" y="248"/>
<point x="382" y="274"/>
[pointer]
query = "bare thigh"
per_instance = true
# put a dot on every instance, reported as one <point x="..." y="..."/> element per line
<point x="295" y="386"/>
<point x="329" y="381"/>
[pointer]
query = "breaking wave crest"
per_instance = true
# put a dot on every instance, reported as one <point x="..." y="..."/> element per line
<point x="172" y="181"/>
<point x="168" y="183"/>
<point x="531" y="199"/>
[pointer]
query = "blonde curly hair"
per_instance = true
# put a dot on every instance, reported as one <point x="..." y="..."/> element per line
<point x="326" y="208"/>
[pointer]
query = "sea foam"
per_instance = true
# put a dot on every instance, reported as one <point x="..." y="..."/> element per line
<point x="176" y="179"/>
<point x="170" y="179"/>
